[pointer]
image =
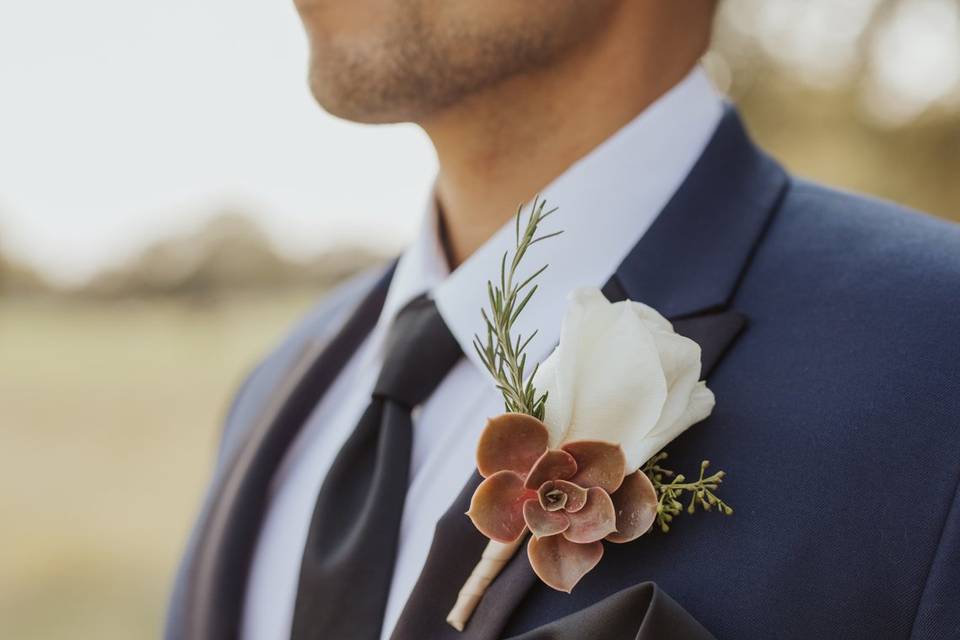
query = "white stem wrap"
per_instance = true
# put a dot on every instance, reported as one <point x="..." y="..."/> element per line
<point x="494" y="558"/>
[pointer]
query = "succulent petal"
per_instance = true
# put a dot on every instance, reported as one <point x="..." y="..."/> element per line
<point x="635" y="503"/>
<point x="551" y="498"/>
<point x="542" y="522"/>
<point x="574" y="496"/>
<point x="599" y="464"/>
<point x="511" y="442"/>
<point x="596" y="520"/>
<point x="554" y="464"/>
<point x="561" y="563"/>
<point x="496" y="507"/>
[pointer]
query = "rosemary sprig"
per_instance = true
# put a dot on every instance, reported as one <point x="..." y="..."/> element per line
<point x="501" y="353"/>
<point x="670" y="488"/>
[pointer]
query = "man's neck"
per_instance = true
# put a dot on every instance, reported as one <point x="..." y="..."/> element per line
<point x="498" y="148"/>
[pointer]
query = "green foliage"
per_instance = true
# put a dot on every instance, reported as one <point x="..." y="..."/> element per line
<point x="670" y="488"/>
<point x="501" y="353"/>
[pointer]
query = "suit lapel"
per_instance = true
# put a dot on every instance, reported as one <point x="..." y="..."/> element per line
<point x="687" y="266"/>
<point x="714" y="332"/>
<point x="230" y="523"/>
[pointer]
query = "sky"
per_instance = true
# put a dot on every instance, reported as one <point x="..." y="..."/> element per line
<point x="125" y="120"/>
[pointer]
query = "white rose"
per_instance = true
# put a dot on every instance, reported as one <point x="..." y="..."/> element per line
<point x="621" y="374"/>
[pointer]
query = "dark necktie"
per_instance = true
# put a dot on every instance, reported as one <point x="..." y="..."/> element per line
<point x="351" y="545"/>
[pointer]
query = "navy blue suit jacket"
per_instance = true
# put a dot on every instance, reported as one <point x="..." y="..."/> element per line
<point x="832" y="323"/>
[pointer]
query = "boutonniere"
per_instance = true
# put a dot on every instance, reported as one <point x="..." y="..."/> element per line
<point x="577" y="458"/>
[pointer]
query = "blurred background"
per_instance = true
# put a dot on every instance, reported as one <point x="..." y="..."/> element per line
<point x="171" y="200"/>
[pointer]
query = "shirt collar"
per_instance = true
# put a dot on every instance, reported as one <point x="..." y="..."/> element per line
<point x="607" y="200"/>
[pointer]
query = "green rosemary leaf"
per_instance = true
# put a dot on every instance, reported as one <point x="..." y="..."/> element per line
<point x="524" y="284"/>
<point x="523" y="303"/>
<point x="527" y="341"/>
<point x="544" y="237"/>
<point x="503" y="356"/>
<point x="516" y="227"/>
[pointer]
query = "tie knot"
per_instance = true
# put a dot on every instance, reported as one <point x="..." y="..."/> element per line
<point x="420" y="351"/>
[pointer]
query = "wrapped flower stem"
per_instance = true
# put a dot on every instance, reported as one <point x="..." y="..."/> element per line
<point x="493" y="560"/>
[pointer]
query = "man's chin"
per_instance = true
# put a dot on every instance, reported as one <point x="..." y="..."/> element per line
<point x="357" y="105"/>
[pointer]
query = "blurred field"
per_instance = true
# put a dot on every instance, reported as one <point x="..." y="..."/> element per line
<point x="108" y="421"/>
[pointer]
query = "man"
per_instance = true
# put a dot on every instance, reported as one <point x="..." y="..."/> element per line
<point x="828" y="323"/>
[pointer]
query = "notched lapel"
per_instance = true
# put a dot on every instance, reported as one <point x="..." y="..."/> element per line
<point x="714" y="332"/>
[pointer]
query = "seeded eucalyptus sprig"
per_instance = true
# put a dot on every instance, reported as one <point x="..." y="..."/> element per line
<point x="501" y="353"/>
<point x="670" y="488"/>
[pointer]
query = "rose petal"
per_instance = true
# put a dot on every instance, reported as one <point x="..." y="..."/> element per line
<point x="621" y="374"/>
<point x="554" y="464"/>
<point x="605" y="380"/>
<point x="680" y="358"/>
<point x="561" y="563"/>
<point x="576" y="496"/>
<point x="511" y="442"/>
<point x="699" y="407"/>
<point x="544" y="523"/>
<point x="599" y="464"/>
<point x="595" y="521"/>
<point x="635" y="503"/>
<point x="496" y="507"/>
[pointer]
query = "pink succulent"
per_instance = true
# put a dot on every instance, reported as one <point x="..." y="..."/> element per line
<point x="569" y="498"/>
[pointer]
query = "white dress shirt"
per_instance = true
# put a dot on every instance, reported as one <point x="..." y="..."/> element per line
<point x="606" y="201"/>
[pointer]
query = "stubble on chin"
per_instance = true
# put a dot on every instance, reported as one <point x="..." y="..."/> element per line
<point x="416" y="69"/>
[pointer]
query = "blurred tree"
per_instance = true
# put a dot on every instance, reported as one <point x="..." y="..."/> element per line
<point x="230" y="253"/>
<point x="18" y="279"/>
<point x="863" y="94"/>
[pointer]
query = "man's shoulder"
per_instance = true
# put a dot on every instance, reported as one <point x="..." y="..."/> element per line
<point x="847" y="373"/>
<point x="864" y="292"/>
<point x="335" y="305"/>
<point x="324" y="318"/>
<point x="859" y="299"/>
<point x="321" y="322"/>
<point x="864" y="242"/>
<point x="868" y="228"/>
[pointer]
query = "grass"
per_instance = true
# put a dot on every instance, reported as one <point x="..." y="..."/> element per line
<point x="109" y="417"/>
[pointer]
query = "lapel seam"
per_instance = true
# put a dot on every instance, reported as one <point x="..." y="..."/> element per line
<point x="695" y="253"/>
<point x="775" y="207"/>
<point x="279" y="394"/>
